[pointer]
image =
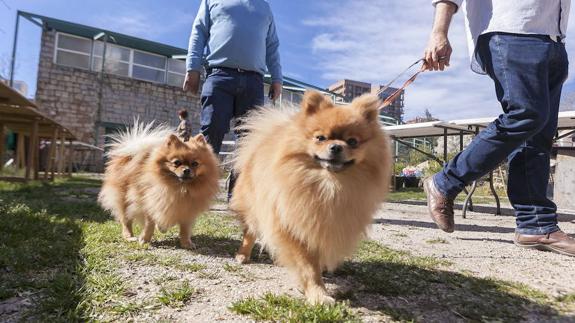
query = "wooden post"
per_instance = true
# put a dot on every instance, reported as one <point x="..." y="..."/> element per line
<point x="70" y="158"/>
<point x="2" y="140"/>
<point x="61" y="154"/>
<point x="51" y="155"/>
<point x="31" y="150"/>
<point x="36" y="158"/>
<point x="20" y="155"/>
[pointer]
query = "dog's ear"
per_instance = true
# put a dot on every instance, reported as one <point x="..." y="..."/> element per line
<point x="200" y="139"/>
<point x="172" y="141"/>
<point x="368" y="106"/>
<point x="313" y="102"/>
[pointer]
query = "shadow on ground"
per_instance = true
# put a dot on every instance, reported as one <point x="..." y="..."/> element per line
<point x="40" y="245"/>
<point x="221" y="247"/>
<point x="413" y="290"/>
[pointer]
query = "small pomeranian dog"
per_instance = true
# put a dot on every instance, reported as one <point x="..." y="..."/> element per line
<point x="309" y="184"/>
<point x="154" y="178"/>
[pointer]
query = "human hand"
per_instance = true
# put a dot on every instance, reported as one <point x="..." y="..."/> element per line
<point x="275" y="91"/>
<point x="438" y="52"/>
<point x="192" y="82"/>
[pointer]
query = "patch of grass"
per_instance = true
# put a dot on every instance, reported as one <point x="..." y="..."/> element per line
<point x="282" y="308"/>
<point x="406" y="194"/>
<point x="437" y="241"/>
<point x="191" y="267"/>
<point x="176" y="296"/>
<point x="567" y="298"/>
<point x="208" y="275"/>
<point x="232" y="268"/>
<point x="59" y="250"/>
<point x="127" y="309"/>
<point x="164" y="278"/>
<point x="481" y="196"/>
<point x="173" y="261"/>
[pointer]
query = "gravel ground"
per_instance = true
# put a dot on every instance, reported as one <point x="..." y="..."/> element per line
<point x="481" y="245"/>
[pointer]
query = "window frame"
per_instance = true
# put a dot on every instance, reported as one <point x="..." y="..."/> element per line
<point x="165" y="69"/>
<point x="93" y="56"/>
<point x="58" y="48"/>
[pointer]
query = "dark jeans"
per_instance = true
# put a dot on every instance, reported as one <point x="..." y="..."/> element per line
<point x="228" y="94"/>
<point x="528" y="72"/>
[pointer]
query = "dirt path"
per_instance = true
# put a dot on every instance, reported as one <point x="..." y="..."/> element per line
<point x="481" y="245"/>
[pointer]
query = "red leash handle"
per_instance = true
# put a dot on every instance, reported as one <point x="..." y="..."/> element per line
<point x="389" y="100"/>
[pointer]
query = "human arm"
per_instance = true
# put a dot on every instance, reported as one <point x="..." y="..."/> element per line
<point x="273" y="61"/>
<point x="438" y="51"/>
<point x="197" y="43"/>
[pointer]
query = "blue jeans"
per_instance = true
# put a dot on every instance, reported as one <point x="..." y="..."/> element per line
<point x="528" y="72"/>
<point x="227" y="94"/>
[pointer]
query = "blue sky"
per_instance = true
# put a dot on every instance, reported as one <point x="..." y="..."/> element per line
<point x="321" y="41"/>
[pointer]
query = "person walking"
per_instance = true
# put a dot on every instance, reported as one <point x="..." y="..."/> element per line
<point x="519" y="44"/>
<point x="240" y="43"/>
<point x="237" y="43"/>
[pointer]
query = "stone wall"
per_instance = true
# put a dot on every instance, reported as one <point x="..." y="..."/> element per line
<point x="71" y="96"/>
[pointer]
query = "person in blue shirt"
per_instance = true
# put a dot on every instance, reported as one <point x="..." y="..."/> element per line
<point x="236" y="41"/>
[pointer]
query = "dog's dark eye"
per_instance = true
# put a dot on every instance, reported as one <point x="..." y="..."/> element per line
<point x="177" y="163"/>
<point x="352" y="142"/>
<point x="320" y="138"/>
<point x="194" y="164"/>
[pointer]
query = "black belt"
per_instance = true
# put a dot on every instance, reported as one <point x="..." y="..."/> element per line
<point x="209" y="70"/>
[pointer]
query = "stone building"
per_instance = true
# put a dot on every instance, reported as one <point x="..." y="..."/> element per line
<point x="141" y="79"/>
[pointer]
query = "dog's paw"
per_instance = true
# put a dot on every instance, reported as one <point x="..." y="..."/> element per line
<point x="242" y="259"/>
<point x="187" y="244"/>
<point x="318" y="296"/>
<point x="142" y="240"/>
<point x="131" y="239"/>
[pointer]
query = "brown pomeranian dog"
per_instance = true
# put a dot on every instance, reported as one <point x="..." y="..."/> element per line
<point x="154" y="178"/>
<point x="309" y="184"/>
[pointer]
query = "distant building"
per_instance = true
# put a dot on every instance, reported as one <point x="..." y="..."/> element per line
<point x="395" y="109"/>
<point x="349" y="90"/>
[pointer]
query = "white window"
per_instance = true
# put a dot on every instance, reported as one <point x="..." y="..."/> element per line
<point x="73" y="51"/>
<point x="117" y="59"/>
<point x="149" y="67"/>
<point x="87" y="54"/>
<point x="176" y="72"/>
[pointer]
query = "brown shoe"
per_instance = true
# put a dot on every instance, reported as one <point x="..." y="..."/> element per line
<point x="557" y="241"/>
<point x="440" y="206"/>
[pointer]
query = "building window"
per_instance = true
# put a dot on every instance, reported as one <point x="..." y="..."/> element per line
<point x="87" y="54"/>
<point x="117" y="59"/>
<point x="176" y="72"/>
<point x="149" y="67"/>
<point x="73" y="51"/>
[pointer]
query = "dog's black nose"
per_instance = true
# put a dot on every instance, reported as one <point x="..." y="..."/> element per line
<point x="335" y="148"/>
<point x="186" y="172"/>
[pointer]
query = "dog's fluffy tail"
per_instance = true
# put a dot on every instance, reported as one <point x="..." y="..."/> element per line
<point x="259" y="125"/>
<point x="138" y="138"/>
